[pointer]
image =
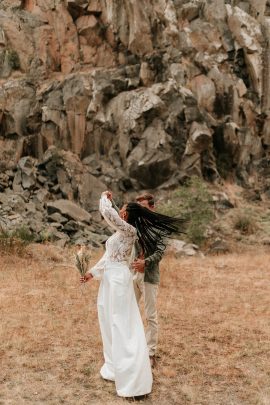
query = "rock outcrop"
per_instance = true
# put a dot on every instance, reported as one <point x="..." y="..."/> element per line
<point x="133" y="95"/>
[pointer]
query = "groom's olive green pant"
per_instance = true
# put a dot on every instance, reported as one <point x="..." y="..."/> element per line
<point x="149" y="293"/>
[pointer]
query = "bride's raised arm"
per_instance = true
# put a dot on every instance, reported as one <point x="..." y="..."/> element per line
<point x="112" y="217"/>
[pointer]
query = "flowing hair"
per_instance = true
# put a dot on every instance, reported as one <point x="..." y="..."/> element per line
<point x="152" y="227"/>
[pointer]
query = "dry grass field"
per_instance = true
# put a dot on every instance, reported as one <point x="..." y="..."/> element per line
<point x="214" y="347"/>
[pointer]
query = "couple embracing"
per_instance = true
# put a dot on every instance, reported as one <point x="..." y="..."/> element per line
<point x="128" y="270"/>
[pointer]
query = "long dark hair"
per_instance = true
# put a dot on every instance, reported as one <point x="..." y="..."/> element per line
<point x="152" y="227"/>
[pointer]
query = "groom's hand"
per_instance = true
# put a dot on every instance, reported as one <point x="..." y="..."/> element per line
<point x="138" y="265"/>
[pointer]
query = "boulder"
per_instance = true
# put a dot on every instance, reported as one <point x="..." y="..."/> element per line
<point x="57" y="217"/>
<point x="222" y="201"/>
<point x="90" y="189"/>
<point x="190" y="11"/>
<point x="4" y="181"/>
<point x="180" y="248"/>
<point x="42" y="195"/>
<point x="246" y="30"/>
<point x="219" y="246"/>
<point x="200" y="137"/>
<point x="150" y="162"/>
<point x="199" y="141"/>
<point x="89" y="27"/>
<point x="140" y="37"/>
<point x="205" y="37"/>
<point x="69" y="209"/>
<point x="17" y="100"/>
<point x="27" y="173"/>
<point x="71" y="226"/>
<point x="205" y="91"/>
<point x="95" y="7"/>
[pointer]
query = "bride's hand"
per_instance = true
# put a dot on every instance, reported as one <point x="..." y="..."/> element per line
<point x="86" y="278"/>
<point x="109" y="195"/>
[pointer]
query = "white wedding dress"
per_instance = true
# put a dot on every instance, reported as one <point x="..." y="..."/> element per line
<point x="124" y="344"/>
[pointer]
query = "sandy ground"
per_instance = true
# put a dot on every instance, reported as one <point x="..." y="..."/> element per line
<point x="214" y="347"/>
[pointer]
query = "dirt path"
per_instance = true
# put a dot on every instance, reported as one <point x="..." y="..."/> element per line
<point x="214" y="333"/>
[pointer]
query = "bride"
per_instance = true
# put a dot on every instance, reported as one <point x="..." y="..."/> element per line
<point x="126" y="357"/>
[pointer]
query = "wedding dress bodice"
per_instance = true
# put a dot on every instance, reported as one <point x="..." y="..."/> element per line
<point x="119" y="245"/>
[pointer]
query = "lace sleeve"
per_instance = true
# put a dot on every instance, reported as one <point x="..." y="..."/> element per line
<point x="98" y="269"/>
<point x="112" y="217"/>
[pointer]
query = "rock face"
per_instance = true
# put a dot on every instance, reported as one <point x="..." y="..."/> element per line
<point x="52" y="199"/>
<point x="132" y="95"/>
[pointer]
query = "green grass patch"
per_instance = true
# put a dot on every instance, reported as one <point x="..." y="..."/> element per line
<point x="194" y="203"/>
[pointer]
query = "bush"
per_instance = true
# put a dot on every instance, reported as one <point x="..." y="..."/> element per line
<point x="45" y="236"/>
<point x="194" y="203"/>
<point x="245" y="223"/>
<point x="24" y="234"/>
<point x="13" y="59"/>
<point x="15" y="241"/>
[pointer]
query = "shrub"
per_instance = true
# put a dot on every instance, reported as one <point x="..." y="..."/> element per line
<point x="11" y="245"/>
<point x="13" y="59"/>
<point x="24" y="234"/>
<point x="245" y="223"/>
<point x="45" y="236"/>
<point x="193" y="202"/>
<point x="15" y="241"/>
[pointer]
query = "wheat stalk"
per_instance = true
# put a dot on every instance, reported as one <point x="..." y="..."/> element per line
<point x="82" y="259"/>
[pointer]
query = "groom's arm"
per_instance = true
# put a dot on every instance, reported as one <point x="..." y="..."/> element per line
<point x="157" y="255"/>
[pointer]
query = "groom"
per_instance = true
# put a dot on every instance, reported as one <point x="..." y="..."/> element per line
<point x="146" y="283"/>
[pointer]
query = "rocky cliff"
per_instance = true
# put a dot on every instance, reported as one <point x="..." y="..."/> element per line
<point x="128" y="95"/>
